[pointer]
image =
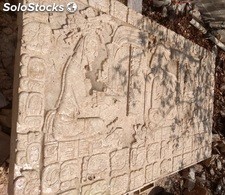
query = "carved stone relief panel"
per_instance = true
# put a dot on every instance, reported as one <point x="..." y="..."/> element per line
<point x="107" y="106"/>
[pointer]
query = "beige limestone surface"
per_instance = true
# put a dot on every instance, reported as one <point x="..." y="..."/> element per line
<point x="108" y="102"/>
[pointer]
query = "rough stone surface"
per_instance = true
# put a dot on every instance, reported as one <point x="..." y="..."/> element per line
<point x="135" y="5"/>
<point x="104" y="106"/>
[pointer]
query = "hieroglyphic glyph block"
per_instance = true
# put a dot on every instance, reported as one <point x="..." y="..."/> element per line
<point x="105" y="106"/>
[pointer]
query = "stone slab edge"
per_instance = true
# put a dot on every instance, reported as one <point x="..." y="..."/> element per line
<point x="118" y="11"/>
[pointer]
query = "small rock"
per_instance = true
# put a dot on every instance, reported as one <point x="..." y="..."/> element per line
<point x="164" y="12"/>
<point x="192" y="174"/>
<point x="161" y="3"/>
<point x="218" y="189"/>
<point x="181" y="8"/>
<point x="223" y="180"/>
<point x="215" y="49"/>
<point x="219" y="164"/>
<point x="191" y="185"/>
<point x="172" y="8"/>
<point x="216" y="138"/>
<point x="196" y="13"/>
<point x="212" y="172"/>
<point x="222" y="88"/>
<point x="203" y="176"/>
<point x="200" y="180"/>
<point x="198" y="168"/>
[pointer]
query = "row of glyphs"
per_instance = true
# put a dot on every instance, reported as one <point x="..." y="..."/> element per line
<point x="30" y="113"/>
<point x="29" y="126"/>
<point x="118" y="172"/>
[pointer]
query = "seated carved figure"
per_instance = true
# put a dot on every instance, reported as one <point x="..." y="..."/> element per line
<point x="94" y="91"/>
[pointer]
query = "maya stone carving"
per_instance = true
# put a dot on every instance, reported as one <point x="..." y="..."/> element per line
<point x="106" y="107"/>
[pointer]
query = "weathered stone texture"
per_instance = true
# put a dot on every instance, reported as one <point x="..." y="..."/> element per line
<point x="135" y="5"/>
<point x="107" y="107"/>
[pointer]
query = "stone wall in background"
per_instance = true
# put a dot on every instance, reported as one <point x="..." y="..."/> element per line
<point x="108" y="102"/>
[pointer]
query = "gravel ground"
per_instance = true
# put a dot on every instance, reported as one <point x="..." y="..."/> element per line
<point x="3" y="179"/>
